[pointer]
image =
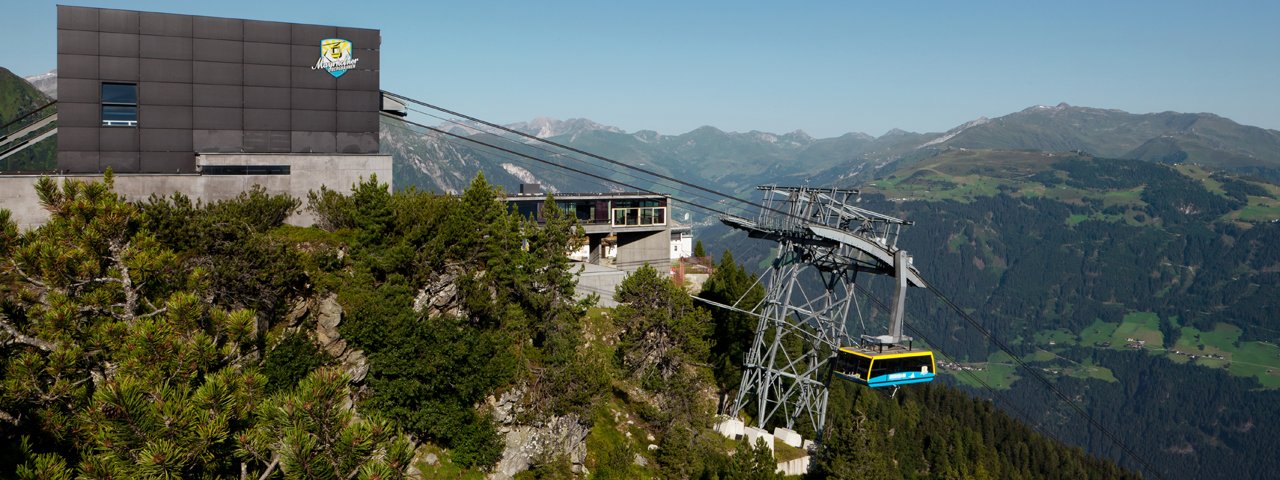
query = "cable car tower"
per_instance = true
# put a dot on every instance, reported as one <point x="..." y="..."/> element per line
<point x="818" y="232"/>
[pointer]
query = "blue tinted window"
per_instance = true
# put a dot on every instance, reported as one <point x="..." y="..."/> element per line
<point x="119" y="115"/>
<point x="125" y="93"/>
<point x="119" y="105"/>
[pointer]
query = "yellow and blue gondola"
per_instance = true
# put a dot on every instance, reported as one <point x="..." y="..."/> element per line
<point x="884" y="367"/>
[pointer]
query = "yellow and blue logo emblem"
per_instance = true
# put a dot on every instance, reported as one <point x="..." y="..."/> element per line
<point x="335" y="57"/>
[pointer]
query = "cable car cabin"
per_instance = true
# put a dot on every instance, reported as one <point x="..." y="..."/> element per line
<point x="886" y="367"/>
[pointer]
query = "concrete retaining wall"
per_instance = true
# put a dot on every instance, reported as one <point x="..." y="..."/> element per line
<point x="307" y="173"/>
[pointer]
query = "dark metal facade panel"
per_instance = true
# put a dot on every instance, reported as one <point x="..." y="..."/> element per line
<point x="210" y="85"/>
<point x="266" y="75"/>
<point x="172" y="48"/>
<point x="118" y="69"/>
<point x="217" y="50"/>
<point x="314" y="120"/>
<point x="118" y="139"/>
<point x="164" y="93"/>
<point x="358" y="101"/>
<point x="354" y="122"/>
<point x="158" y="70"/>
<point x="360" y="37"/>
<point x="304" y="55"/>
<point x="267" y="97"/>
<point x="217" y="141"/>
<point x="305" y="77"/>
<point x="266" y="53"/>
<point x="77" y="42"/>
<point x="362" y="142"/>
<point x="76" y="161"/>
<point x="267" y="141"/>
<point x="266" y="119"/>
<point x="167" y="162"/>
<point x="368" y="59"/>
<point x="312" y="99"/>
<point x="78" y="138"/>
<point x="359" y="80"/>
<point x="269" y="32"/>
<point x="216" y="118"/>
<point x="165" y="116"/>
<point x="78" y="114"/>
<point x="165" y="24"/>
<point x="118" y="44"/>
<point x="313" y="142"/>
<point x="217" y="95"/>
<point x="218" y="73"/>
<point x="78" y="90"/>
<point x="77" y="66"/>
<point x="312" y="34"/>
<point x="77" y="18"/>
<point x="218" y="28"/>
<point x="165" y="139"/>
<point x="118" y="161"/>
<point x="119" y="21"/>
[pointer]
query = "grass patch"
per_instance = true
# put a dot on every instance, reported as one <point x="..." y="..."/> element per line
<point x="609" y="451"/>
<point x="445" y="468"/>
<point x="997" y="372"/>
<point x="1098" y="334"/>
<point x="1131" y="197"/>
<point x="1143" y="326"/>
<point x="786" y="453"/>
<point x="1259" y="209"/>
<point x="1088" y="370"/>
<point x="1040" y="355"/>
<point x="1060" y="336"/>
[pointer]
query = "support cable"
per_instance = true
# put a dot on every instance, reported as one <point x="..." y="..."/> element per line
<point x="566" y="156"/>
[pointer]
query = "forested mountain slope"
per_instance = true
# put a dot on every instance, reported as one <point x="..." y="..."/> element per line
<point x="1147" y="292"/>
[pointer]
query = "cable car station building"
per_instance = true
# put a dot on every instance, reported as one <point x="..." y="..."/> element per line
<point x="210" y="106"/>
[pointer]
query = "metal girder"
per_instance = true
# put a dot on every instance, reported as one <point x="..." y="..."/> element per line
<point x="822" y="242"/>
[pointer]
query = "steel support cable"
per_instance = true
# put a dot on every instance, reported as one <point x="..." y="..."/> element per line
<point x="547" y="162"/>
<point x="592" y="155"/>
<point x="604" y="180"/>
<point x="565" y="155"/>
<point x="25" y="115"/>
<point x="1041" y="378"/>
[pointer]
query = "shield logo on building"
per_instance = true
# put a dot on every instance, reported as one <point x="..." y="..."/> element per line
<point x="335" y="57"/>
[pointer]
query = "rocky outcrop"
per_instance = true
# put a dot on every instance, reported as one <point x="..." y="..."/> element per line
<point x="328" y="315"/>
<point x="541" y="439"/>
<point x="440" y="295"/>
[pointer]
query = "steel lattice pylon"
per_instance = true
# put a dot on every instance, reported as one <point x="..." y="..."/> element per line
<point x="820" y="237"/>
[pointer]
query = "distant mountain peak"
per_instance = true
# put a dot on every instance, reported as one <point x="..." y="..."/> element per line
<point x="546" y="127"/>
<point x="956" y="131"/>
<point x="896" y="132"/>
<point x="46" y="82"/>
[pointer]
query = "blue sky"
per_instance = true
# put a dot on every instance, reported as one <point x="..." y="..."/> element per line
<point x="823" y="67"/>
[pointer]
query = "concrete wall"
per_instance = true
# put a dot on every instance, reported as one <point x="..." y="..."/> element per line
<point x="307" y="172"/>
<point x="638" y="248"/>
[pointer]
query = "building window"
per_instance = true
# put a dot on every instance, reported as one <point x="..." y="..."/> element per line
<point x="119" y="104"/>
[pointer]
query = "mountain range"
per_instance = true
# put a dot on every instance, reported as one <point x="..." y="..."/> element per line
<point x="737" y="161"/>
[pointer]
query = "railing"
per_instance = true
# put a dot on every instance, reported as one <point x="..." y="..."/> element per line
<point x="639" y="216"/>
